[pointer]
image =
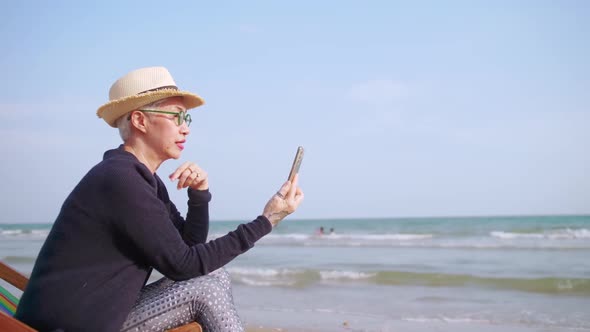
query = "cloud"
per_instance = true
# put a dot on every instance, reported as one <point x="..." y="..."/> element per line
<point x="381" y="92"/>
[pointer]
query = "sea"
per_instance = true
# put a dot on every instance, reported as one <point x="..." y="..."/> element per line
<point x="524" y="273"/>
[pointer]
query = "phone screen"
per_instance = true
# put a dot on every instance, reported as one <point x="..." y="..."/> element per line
<point x="296" y="163"/>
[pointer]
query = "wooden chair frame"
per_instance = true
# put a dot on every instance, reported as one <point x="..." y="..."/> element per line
<point x="19" y="281"/>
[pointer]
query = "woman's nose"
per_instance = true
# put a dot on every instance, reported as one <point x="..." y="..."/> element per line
<point x="184" y="128"/>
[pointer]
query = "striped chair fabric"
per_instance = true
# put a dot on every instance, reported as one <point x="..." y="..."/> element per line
<point x="8" y="302"/>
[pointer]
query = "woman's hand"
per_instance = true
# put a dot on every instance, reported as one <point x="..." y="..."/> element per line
<point x="284" y="202"/>
<point x="191" y="175"/>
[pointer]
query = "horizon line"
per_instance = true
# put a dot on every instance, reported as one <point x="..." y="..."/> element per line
<point x="381" y="218"/>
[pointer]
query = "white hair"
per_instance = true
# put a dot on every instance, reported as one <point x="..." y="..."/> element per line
<point x="123" y="122"/>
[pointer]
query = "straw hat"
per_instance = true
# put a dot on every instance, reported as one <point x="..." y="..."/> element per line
<point x="141" y="87"/>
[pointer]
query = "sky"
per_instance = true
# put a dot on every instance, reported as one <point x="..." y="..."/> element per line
<point x="405" y="109"/>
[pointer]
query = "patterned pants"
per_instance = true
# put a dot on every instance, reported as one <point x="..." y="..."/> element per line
<point x="166" y="304"/>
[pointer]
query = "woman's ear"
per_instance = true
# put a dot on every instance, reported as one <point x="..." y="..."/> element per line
<point x="138" y="120"/>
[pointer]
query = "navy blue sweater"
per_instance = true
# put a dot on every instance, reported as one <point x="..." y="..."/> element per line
<point x="116" y="225"/>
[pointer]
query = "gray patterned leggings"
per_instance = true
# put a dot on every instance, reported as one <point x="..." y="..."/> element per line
<point x="166" y="304"/>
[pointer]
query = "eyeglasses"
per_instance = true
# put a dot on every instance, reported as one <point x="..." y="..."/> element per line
<point x="181" y="116"/>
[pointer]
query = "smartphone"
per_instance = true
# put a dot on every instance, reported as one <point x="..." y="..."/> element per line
<point x="296" y="163"/>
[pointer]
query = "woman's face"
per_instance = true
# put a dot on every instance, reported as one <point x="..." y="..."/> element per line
<point x="165" y="136"/>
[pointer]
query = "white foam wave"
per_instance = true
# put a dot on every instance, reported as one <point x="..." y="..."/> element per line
<point x="289" y="277"/>
<point x="497" y="243"/>
<point x="265" y="277"/>
<point x="12" y="232"/>
<point x="331" y="275"/>
<point x="509" y="236"/>
<point x="559" y="239"/>
<point x="350" y="237"/>
<point x="24" y="232"/>
<point x="559" y="234"/>
<point x="293" y="236"/>
<point x="450" y="320"/>
<point x="253" y="282"/>
<point x="397" y="237"/>
<point x="261" y="272"/>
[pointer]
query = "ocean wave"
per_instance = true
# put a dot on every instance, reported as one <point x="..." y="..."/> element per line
<point x="344" y="275"/>
<point x="558" y="234"/>
<point x="445" y="319"/>
<point x="525" y="318"/>
<point x="24" y="232"/>
<point x="483" y="244"/>
<point x="566" y="238"/>
<point x="254" y="282"/>
<point x="555" y="239"/>
<point x="334" y="237"/>
<point x="19" y="259"/>
<point x="349" y="237"/>
<point x="273" y="277"/>
<point x="496" y="240"/>
<point x="262" y="272"/>
<point x="549" y="285"/>
<point x="308" y="277"/>
<point x="349" y="240"/>
<point x="293" y="277"/>
<point x="13" y="232"/>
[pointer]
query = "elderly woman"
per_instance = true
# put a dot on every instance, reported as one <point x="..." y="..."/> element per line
<point x="119" y="223"/>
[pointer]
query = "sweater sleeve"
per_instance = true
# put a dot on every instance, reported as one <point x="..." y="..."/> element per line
<point x="143" y="220"/>
<point x="196" y="227"/>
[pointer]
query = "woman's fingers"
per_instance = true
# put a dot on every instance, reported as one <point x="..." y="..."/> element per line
<point x="284" y="190"/>
<point x="200" y="180"/>
<point x="191" y="175"/>
<point x="293" y="188"/>
<point x="183" y="180"/>
<point x="178" y="172"/>
<point x="284" y="202"/>
<point x="298" y="197"/>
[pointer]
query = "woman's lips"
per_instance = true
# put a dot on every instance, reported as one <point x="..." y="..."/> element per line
<point x="180" y="145"/>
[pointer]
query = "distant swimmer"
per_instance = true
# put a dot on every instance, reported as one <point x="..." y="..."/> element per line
<point x="320" y="231"/>
<point x="331" y="230"/>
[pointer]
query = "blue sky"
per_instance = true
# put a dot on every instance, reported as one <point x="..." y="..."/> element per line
<point x="421" y="108"/>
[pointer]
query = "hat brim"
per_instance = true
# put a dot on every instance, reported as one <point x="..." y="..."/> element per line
<point x="113" y="110"/>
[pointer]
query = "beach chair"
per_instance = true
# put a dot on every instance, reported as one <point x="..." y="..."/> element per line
<point x="8" y="304"/>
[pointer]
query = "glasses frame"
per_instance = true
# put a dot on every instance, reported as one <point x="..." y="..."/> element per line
<point x="181" y="116"/>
